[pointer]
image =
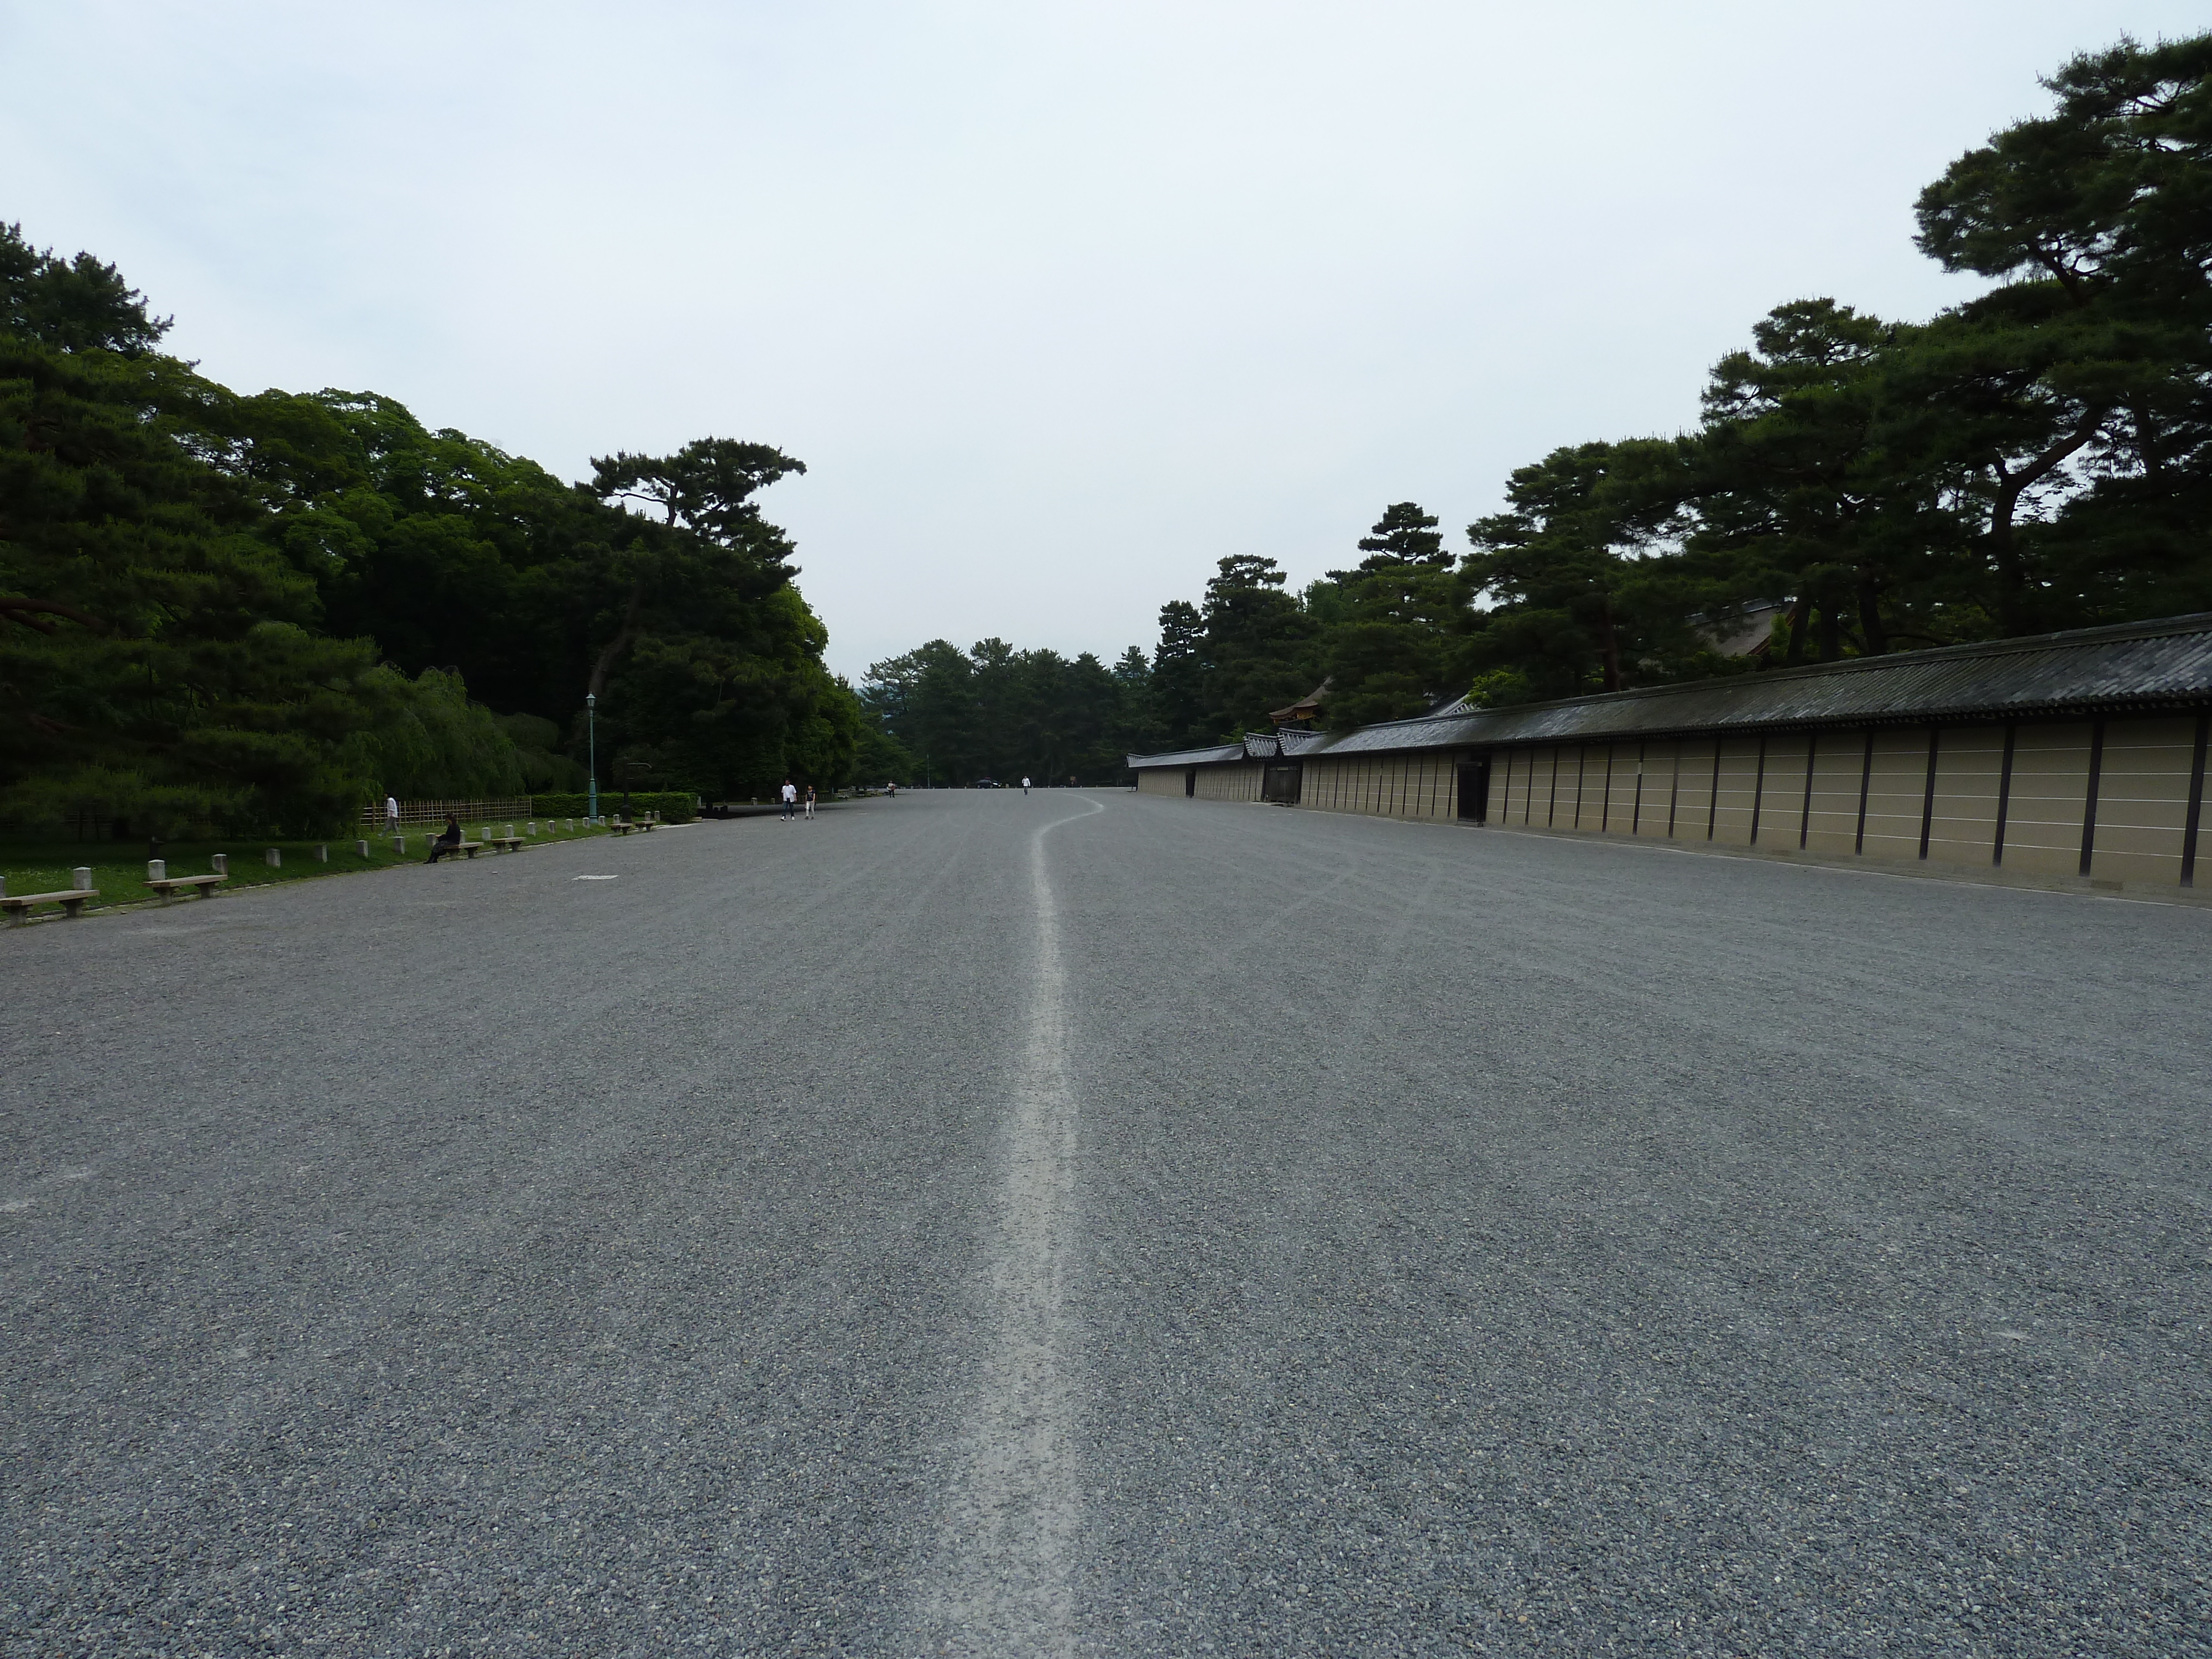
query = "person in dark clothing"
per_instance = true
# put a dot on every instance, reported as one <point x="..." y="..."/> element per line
<point x="448" y="841"/>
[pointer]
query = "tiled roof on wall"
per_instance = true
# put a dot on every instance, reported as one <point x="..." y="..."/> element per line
<point x="2139" y="666"/>
<point x="1228" y="751"/>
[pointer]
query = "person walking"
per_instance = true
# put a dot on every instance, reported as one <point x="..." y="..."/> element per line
<point x="1025" y="785"/>
<point x="810" y="801"/>
<point x="391" y="814"/>
<point x="448" y="841"/>
<point x="790" y="798"/>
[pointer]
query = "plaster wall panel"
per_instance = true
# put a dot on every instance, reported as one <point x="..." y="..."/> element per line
<point x="2050" y="786"/>
<point x="1598" y="785"/>
<point x="1839" y="764"/>
<point x="1647" y="812"/>
<point x="1546" y="789"/>
<point x="1566" y="805"/>
<point x="1509" y="773"/>
<point x="1731" y="806"/>
<point x="1235" y="780"/>
<point x="1590" y="787"/>
<point x="2142" y="800"/>
<point x="1620" y="792"/>
<point x="1969" y="766"/>
<point x="1694" y="800"/>
<point x="1895" y="794"/>
<point x="1782" y="793"/>
<point x="1662" y="772"/>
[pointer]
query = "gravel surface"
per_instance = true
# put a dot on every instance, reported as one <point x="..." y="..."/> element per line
<point x="980" y="1224"/>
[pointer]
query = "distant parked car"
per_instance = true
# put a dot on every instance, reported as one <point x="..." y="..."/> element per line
<point x="987" y="783"/>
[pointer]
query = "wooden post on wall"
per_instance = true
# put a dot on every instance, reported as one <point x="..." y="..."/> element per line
<point x="1805" y="812"/>
<point x="2196" y="804"/>
<point x="1928" y="799"/>
<point x="2004" y="793"/>
<point x="1866" y="783"/>
<point x="1759" y="790"/>
<point x="2090" y="801"/>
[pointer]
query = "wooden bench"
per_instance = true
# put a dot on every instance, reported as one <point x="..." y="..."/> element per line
<point x="470" y="847"/>
<point x="623" y="829"/>
<point x="203" y="885"/>
<point x="18" y="907"/>
<point x="506" y="843"/>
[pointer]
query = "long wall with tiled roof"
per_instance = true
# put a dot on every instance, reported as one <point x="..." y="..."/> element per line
<point x="2077" y="760"/>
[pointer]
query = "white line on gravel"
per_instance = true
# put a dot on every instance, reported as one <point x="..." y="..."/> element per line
<point x="1001" y="1581"/>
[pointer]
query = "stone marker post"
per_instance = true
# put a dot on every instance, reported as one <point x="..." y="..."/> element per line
<point x="220" y="863"/>
<point x="157" y="869"/>
<point x="274" y="858"/>
<point x="322" y="854"/>
<point x="399" y="843"/>
<point x="80" y="879"/>
<point x="361" y="848"/>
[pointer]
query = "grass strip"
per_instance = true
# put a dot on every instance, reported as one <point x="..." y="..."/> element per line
<point x="46" y="868"/>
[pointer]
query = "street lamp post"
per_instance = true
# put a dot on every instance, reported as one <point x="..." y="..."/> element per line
<point x="591" y="747"/>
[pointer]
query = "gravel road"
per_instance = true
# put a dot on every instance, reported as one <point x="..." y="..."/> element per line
<point x="1079" y="1223"/>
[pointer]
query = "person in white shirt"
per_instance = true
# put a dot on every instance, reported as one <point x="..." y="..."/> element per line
<point x="790" y="798"/>
<point x="1025" y="785"/>
<point x="391" y="813"/>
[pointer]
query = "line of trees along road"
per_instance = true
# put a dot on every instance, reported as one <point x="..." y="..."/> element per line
<point x="2038" y="458"/>
<point x="944" y="715"/>
<point x="256" y="612"/>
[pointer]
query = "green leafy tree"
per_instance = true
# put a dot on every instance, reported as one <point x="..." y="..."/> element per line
<point x="158" y="662"/>
<point x="1573" y="607"/>
<point x="1137" y="720"/>
<point x="1404" y="536"/>
<point x="1798" y="488"/>
<point x="1259" y="649"/>
<point x="1178" y="681"/>
<point x="262" y="609"/>
<point x="71" y="306"/>
<point x="996" y="711"/>
<point x="1393" y="631"/>
<point x="2072" y="406"/>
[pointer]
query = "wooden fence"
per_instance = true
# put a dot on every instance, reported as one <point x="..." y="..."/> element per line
<point x="437" y="811"/>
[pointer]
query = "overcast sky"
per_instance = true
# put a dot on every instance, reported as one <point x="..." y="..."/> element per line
<point x="1059" y="303"/>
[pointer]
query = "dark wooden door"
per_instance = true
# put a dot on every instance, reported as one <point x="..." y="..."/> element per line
<point x="1474" y="790"/>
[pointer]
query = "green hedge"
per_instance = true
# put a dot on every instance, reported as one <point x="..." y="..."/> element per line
<point x="675" y="806"/>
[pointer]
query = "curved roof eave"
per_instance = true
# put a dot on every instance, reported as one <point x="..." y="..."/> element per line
<point x="2136" y="666"/>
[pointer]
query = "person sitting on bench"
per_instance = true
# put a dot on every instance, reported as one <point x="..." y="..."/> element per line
<point x="448" y="841"/>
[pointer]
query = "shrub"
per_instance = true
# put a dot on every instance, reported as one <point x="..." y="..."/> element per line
<point x="673" y="805"/>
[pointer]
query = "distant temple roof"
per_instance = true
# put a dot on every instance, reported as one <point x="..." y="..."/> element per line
<point x="1304" y="708"/>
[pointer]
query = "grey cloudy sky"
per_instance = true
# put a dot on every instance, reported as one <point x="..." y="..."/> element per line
<point x="1060" y="303"/>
